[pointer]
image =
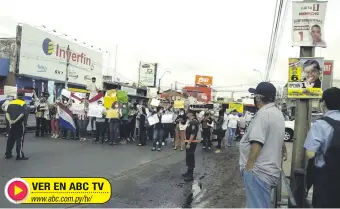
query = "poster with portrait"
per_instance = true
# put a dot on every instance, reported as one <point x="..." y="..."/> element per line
<point x="308" y="23"/>
<point x="305" y="78"/>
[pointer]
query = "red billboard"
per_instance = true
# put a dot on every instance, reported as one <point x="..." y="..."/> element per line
<point x="202" y="94"/>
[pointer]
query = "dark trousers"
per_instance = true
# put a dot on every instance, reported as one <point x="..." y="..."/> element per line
<point x="142" y="136"/>
<point x="124" y="129"/>
<point x="172" y="131"/>
<point x="206" y="137"/>
<point x="48" y="128"/>
<point x="131" y="128"/>
<point x="157" y="137"/>
<point x="167" y="130"/>
<point x="114" y="131"/>
<point x="150" y="133"/>
<point x="16" y="136"/>
<point x="83" y="128"/>
<point x="325" y="189"/>
<point x="100" y="130"/>
<point x="220" y="136"/>
<point x="7" y="125"/>
<point x="190" y="155"/>
<point x="40" y="127"/>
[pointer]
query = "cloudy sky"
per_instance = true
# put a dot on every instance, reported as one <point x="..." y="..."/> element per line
<point x="223" y="39"/>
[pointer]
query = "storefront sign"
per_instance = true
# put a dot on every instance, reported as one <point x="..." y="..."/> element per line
<point x="305" y="78"/>
<point x="45" y="55"/>
<point x="309" y="23"/>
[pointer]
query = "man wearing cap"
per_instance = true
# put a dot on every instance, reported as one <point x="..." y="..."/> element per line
<point x="15" y="115"/>
<point x="261" y="148"/>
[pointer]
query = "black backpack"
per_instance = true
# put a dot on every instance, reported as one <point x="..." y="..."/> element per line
<point x="327" y="177"/>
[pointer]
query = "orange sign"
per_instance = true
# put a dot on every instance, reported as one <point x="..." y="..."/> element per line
<point x="203" y="80"/>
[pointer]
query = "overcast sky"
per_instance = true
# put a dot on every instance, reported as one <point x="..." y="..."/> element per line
<point x="223" y="39"/>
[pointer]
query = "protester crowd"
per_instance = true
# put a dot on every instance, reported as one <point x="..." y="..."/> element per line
<point x="126" y="122"/>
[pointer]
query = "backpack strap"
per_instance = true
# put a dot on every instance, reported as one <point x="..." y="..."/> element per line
<point x="331" y="121"/>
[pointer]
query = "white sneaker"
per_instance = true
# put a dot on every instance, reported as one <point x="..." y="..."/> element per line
<point x="163" y="144"/>
<point x="157" y="143"/>
<point x="53" y="136"/>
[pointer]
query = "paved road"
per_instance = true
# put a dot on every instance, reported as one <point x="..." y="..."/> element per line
<point x="139" y="177"/>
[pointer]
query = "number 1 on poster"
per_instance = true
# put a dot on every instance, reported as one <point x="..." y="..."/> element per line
<point x="301" y="35"/>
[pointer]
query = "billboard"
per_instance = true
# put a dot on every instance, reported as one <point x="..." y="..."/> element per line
<point x="44" y="55"/>
<point x="203" y="80"/>
<point x="201" y="93"/>
<point x="327" y="80"/>
<point x="308" y="23"/>
<point x="305" y="78"/>
<point x="147" y="74"/>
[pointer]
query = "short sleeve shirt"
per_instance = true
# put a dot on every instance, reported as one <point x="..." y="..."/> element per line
<point x="267" y="128"/>
<point x="192" y="128"/>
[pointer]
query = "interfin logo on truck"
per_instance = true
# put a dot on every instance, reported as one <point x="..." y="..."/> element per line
<point x="50" y="48"/>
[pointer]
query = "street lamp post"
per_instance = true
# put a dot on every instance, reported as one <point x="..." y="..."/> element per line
<point x="159" y="80"/>
<point x="259" y="72"/>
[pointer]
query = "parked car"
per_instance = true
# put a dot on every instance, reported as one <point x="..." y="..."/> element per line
<point x="289" y="130"/>
<point x="289" y="126"/>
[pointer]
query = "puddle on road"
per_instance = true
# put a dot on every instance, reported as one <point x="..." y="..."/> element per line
<point x="192" y="192"/>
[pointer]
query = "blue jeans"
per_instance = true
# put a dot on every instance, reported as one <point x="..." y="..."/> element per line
<point x="158" y="137"/>
<point x="231" y="134"/>
<point x="257" y="191"/>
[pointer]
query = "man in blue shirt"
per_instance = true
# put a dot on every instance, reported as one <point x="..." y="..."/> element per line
<point x="321" y="137"/>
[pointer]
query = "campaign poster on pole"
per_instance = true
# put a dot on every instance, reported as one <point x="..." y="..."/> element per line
<point x="309" y="23"/>
<point x="305" y="78"/>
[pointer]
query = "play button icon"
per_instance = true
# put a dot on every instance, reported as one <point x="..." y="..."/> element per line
<point x="16" y="190"/>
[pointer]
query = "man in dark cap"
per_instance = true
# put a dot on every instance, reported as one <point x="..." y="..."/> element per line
<point x="261" y="148"/>
<point x="191" y="144"/>
<point x="16" y="114"/>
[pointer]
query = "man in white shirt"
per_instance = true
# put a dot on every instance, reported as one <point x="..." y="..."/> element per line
<point x="233" y="120"/>
<point x="92" y="88"/>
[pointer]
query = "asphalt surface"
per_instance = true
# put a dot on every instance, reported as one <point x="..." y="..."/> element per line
<point x="139" y="177"/>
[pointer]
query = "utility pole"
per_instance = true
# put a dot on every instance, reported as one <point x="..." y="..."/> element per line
<point x="68" y="55"/>
<point x="159" y="85"/>
<point x="175" y="85"/>
<point x="301" y="128"/>
<point x="170" y="100"/>
<point x="115" y="71"/>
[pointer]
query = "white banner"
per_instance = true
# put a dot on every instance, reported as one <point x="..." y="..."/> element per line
<point x="78" y="108"/>
<point x="308" y="23"/>
<point x="147" y="74"/>
<point x="168" y="118"/>
<point x="44" y="55"/>
<point x="10" y="91"/>
<point x="95" y="111"/>
<point x="153" y="120"/>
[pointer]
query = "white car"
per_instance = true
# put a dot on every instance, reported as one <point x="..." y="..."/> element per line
<point x="289" y="126"/>
<point x="289" y="130"/>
